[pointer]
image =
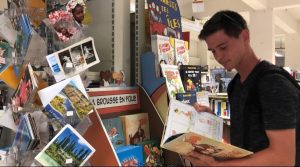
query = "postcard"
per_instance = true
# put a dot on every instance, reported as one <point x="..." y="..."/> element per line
<point x="68" y="147"/>
<point x="73" y="59"/>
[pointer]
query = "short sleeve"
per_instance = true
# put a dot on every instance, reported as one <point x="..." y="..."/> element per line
<point x="279" y="100"/>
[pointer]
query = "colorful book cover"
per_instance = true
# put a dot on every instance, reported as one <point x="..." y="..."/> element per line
<point x="114" y="130"/>
<point x="68" y="147"/>
<point x="73" y="59"/>
<point x="187" y="98"/>
<point x="135" y="127"/>
<point x="181" y="52"/>
<point x="130" y="155"/>
<point x="152" y="153"/>
<point x="173" y="80"/>
<point x="26" y="90"/>
<point x="190" y="141"/>
<point x="23" y="138"/>
<point x="24" y="24"/>
<point x="163" y="48"/>
<point x="191" y="77"/>
<point x="216" y="78"/>
<point x="7" y="75"/>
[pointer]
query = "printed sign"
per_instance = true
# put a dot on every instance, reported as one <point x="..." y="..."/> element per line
<point x="114" y="100"/>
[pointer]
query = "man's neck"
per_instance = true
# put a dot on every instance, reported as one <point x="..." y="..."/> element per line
<point x="247" y="65"/>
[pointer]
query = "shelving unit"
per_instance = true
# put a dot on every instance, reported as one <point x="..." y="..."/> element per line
<point x="96" y="135"/>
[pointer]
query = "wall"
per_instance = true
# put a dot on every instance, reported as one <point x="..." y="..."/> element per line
<point x="110" y="28"/>
<point x="122" y="38"/>
<point x="292" y="52"/>
<point x="101" y="30"/>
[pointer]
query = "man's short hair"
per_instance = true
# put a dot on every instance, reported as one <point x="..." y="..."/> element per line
<point x="231" y="22"/>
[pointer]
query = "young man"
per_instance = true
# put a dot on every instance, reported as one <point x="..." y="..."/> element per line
<point x="264" y="105"/>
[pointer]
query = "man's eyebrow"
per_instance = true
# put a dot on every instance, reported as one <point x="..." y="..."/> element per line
<point x="219" y="45"/>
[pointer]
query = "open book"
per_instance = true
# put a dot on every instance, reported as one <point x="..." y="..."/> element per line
<point x="187" y="130"/>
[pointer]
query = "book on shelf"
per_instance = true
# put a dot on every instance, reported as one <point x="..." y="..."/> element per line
<point x="74" y="59"/>
<point x="163" y="48"/>
<point x="187" y="98"/>
<point x="220" y="107"/>
<point x="152" y="153"/>
<point x="66" y="102"/>
<point x="191" y="77"/>
<point x="130" y="155"/>
<point x="173" y="80"/>
<point x="68" y="147"/>
<point x="181" y="52"/>
<point x="114" y="130"/>
<point x="187" y="130"/>
<point x="135" y="127"/>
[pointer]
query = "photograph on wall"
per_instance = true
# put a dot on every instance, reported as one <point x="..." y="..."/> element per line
<point x="67" y="148"/>
<point x="88" y="52"/>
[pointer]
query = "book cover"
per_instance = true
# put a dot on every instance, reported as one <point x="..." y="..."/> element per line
<point x="26" y="89"/>
<point x="191" y="77"/>
<point x="187" y="98"/>
<point x="7" y="75"/>
<point x="163" y="48"/>
<point x="173" y="80"/>
<point x="130" y="155"/>
<point x="73" y="60"/>
<point x="187" y="130"/>
<point x="216" y="78"/>
<point x="152" y="153"/>
<point x="114" y="130"/>
<point x="23" y="138"/>
<point x="135" y="127"/>
<point x="69" y="106"/>
<point x="181" y="52"/>
<point x="68" y="147"/>
<point x="5" y="51"/>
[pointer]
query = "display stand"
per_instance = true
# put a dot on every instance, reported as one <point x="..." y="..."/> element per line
<point x="96" y="135"/>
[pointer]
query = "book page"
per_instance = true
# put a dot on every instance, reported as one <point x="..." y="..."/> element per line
<point x="208" y="125"/>
<point x="179" y="119"/>
<point x="183" y="118"/>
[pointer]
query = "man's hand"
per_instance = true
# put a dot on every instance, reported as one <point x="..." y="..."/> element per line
<point x="197" y="159"/>
<point x="201" y="108"/>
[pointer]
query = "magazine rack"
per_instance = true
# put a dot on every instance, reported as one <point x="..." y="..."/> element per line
<point x="96" y="135"/>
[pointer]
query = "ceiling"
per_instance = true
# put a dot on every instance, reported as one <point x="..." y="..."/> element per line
<point x="286" y="12"/>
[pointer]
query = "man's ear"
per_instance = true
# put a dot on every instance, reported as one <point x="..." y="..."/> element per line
<point x="245" y="35"/>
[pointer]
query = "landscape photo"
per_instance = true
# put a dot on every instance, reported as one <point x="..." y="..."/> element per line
<point x="68" y="147"/>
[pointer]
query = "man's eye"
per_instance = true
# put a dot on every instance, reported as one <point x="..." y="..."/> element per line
<point x="223" y="47"/>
